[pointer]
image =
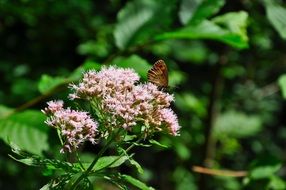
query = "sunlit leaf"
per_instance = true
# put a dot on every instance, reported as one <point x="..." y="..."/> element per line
<point x="276" y="14"/>
<point x="27" y="130"/>
<point x="187" y="9"/>
<point x="136" y="182"/>
<point x="264" y="171"/>
<point x="276" y="183"/>
<point x="137" y="165"/>
<point x="109" y="161"/>
<point x="139" y="20"/>
<point x="46" y="187"/>
<point x="229" y="28"/>
<point x="194" y="11"/>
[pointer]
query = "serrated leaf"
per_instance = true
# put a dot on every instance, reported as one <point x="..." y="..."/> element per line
<point x="48" y="83"/>
<point x="282" y="84"/>
<point x="139" y="20"/>
<point x="136" y="182"/>
<point x="109" y="161"/>
<point x="141" y="66"/>
<point x="276" y="14"/>
<point x="229" y="28"/>
<point x="27" y="130"/>
<point x="194" y="11"/>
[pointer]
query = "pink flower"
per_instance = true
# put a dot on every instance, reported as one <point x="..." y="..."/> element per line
<point x="76" y="127"/>
<point x="53" y="106"/>
<point x="121" y="102"/>
<point x="170" y="120"/>
<point x="105" y="82"/>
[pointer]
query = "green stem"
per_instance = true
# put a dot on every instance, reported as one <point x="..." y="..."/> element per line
<point x="79" y="161"/>
<point x="122" y="154"/>
<point x="85" y="173"/>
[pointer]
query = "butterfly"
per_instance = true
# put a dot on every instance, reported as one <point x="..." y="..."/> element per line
<point x="158" y="74"/>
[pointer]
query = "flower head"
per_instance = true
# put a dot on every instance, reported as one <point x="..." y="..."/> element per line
<point x="76" y="127"/>
<point x="103" y="83"/>
<point x="124" y="103"/>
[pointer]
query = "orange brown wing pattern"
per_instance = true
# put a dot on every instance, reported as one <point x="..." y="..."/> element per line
<point x="158" y="74"/>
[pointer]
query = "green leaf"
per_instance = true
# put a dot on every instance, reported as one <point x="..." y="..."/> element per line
<point x="195" y="11"/>
<point x="27" y="130"/>
<point x="46" y="187"/>
<point x="48" y="83"/>
<point x="88" y="65"/>
<point x="276" y="14"/>
<point x="276" y="183"/>
<point x="187" y="10"/>
<point x="72" y="180"/>
<point x="237" y="124"/>
<point x="137" y="165"/>
<point x="141" y="66"/>
<point x="109" y="161"/>
<point x="5" y="111"/>
<point x="136" y="182"/>
<point x="282" y="84"/>
<point x="129" y="137"/>
<point x="229" y="28"/>
<point x="154" y="142"/>
<point x="182" y="150"/>
<point x="264" y="171"/>
<point x="139" y="20"/>
<point x="206" y="9"/>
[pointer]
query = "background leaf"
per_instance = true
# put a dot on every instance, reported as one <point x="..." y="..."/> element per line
<point x="136" y="182"/>
<point x="109" y="161"/>
<point x="139" y="15"/>
<point x="27" y="130"/>
<point x="48" y="83"/>
<point x="236" y="124"/>
<point x="282" y="85"/>
<point x="229" y="28"/>
<point x="276" y="14"/>
<point x="195" y="11"/>
<point x="140" y="65"/>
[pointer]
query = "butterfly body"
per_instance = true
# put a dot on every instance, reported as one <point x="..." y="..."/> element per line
<point x="158" y="74"/>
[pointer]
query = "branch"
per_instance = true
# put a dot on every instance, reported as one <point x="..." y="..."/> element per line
<point x="216" y="172"/>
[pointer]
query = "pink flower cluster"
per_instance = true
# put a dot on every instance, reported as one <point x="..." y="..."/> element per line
<point x="76" y="127"/>
<point x="108" y="80"/>
<point x="125" y="104"/>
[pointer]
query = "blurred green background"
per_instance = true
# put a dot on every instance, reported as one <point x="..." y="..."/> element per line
<point x="226" y="62"/>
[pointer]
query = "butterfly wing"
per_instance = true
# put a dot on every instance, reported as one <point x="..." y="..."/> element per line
<point x="158" y="74"/>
